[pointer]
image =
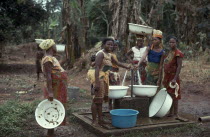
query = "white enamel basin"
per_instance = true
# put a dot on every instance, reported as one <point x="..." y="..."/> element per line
<point x="139" y="29"/>
<point x="117" y="92"/>
<point x="144" y="90"/>
<point x="60" y="47"/>
<point x="160" y="104"/>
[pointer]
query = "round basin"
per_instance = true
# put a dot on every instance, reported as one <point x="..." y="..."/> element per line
<point x="60" y="47"/>
<point x="116" y="92"/>
<point x="144" y="90"/>
<point x="50" y="114"/>
<point x="160" y="104"/>
<point x="124" y="118"/>
<point x="139" y="29"/>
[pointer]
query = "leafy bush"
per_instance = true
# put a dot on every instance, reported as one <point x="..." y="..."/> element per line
<point x="14" y="116"/>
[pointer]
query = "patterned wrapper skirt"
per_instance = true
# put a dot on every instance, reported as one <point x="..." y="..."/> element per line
<point x="59" y="87"/>
<point x="114" y="77"/>
<point x="152" y="70"/>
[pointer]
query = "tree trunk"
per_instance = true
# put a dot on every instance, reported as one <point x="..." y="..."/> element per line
<point x="66" y="22"/>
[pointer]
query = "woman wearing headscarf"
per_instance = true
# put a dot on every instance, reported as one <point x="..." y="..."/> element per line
<point x="56" y="76"/>
<point x="154" y="54"/>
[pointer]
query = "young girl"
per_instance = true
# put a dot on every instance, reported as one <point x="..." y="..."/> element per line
<point x="138" y="52"/>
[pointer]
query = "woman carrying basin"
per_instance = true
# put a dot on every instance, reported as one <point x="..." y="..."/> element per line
<point x="154" y="54"/>
<point x="56" y="76"/>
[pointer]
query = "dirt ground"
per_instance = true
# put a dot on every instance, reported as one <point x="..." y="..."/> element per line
<point x="18" y="81"/>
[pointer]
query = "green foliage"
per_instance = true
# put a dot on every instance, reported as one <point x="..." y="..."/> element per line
<point x="17" y="16"/>
<point x="14" y="116"/>
<point x="186" y="49"/>
<point x="53" y="23"/>
<point x="69" y="113"/>
<point x="98" y="13"/>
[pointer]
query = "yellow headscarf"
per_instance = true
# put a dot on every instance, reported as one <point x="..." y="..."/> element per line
<point x="157" y="33"/>
<point x="46" y="44"/>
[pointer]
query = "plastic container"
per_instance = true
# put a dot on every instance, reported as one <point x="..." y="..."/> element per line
<point x="117" y="92"/>
<point x="139" y="29"/>
<point x="124" y="118"/>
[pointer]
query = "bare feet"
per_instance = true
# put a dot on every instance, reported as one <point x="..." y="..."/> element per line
<point x="95" y="123"/>
<point x="103" y="122"/>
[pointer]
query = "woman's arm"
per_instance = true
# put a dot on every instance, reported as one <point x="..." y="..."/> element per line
<point x="178" y="70"/>
<point x="128" y="55"/>
<point x="98" y="62"/>
<point x="48" y="70"/>
<point x="119" y="63"/>
<point x="160" y="69"/>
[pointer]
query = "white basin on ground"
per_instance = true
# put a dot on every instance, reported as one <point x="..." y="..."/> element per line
<point x="160" y="104"/>
<point x="144" y="90"/>
<point x="117" y="92"/>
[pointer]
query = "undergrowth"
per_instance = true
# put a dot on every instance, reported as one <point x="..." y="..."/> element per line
<point x="14" y="116"/>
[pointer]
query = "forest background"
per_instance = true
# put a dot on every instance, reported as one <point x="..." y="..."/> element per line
<point x="81" y="23"/>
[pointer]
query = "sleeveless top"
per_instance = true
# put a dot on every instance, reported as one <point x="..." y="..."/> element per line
<point x="138" y="53"/>
<point x="107" y="62"/>
<point x="154" y="56"/>
<point x="115" y="57"/>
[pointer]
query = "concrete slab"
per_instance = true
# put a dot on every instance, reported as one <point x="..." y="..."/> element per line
<point x="143" y="124"/>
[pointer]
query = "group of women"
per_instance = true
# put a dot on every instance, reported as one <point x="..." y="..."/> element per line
<point x="151" y="60"/>
<point x="161" y="63"/>
<point x="162" y="68"/>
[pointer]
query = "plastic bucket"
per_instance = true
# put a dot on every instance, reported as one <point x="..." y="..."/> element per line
<point x="124" y="118"/>
<point x="73" y="93"/>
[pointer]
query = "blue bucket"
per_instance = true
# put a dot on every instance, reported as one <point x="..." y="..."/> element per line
<point x="124" y="118"/>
